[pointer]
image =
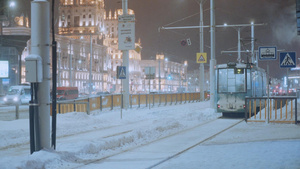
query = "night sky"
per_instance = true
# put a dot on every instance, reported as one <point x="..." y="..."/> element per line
<point x="280" y="16"/>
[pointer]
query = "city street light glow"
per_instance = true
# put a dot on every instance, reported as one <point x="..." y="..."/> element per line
<point x="12" y="4"/>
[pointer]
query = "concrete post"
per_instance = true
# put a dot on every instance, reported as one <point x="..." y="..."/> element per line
<point x="125" y="58"/>
<point x="212" y="51"/>
<point x="70" y="66"/>
<point x="91" y="65"/>
<point x="40" y="45"/>
<point x="201" y="68"/>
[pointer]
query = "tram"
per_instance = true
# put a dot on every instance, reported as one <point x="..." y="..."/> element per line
<point x="235" y="81"/>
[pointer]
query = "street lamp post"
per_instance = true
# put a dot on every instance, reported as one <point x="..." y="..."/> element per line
<point x="159" y="57"/>
<point x="91" y="65"/>
<point x="212" y="53"/>
<point x="159" y="78"/>
<point x="70" y="66"/>
<point x="125" y="63"/>
<point x="59" y="67"/>
<point x="201" y="68"/>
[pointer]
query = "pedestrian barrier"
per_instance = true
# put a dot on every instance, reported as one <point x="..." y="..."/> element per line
<point x="281" y="109"/>
<point x="115" y="101"/>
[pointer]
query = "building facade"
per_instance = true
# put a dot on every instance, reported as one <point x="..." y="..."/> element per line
<point x="86" y="31"/>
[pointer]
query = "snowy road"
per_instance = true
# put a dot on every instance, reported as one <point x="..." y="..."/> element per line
<point x="9" y="112"/>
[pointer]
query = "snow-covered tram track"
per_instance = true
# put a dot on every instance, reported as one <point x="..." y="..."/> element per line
<point x="119" y="130"/>
<point x="149" y="156"/>
<point x="197" y="144"/>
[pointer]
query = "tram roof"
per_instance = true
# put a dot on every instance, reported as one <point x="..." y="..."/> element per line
<point x="233" y="65"/>
<point x="238" y="65"/>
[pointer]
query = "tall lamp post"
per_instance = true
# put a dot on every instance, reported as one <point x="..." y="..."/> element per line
<point x="159" y="57"/>
<point x="212" y="53"/>
<point x="201" y="68"/>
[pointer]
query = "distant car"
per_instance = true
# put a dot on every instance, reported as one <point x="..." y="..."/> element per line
<point x="102" y="93"/>
<point x="17" y="95"/>
<point x="65" y="93"/>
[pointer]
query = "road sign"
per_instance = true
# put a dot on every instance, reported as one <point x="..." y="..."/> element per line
<point x="183" y="42"/>
<point x="201" y="58"/>
<point x="121" y="72"/>
<point x="287" y="59"/>
<point x="267" y="53"/>
<point x="189" y="42"/>
<point x="126" y="32"/>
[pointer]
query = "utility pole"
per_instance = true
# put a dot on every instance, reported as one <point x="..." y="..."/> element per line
<point x="59" y="67"/>
<point x="70" y="66"/>
<point x="125" y="60"/>
<point x="201" y="68"/>
<point x="91" y="65"/>
<point x="252" y="44"/>
<point x="40" y="45"/>
<point x="212" y="53"/>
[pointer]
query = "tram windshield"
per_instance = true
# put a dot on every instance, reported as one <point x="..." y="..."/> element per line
<point x="231" y="80"/>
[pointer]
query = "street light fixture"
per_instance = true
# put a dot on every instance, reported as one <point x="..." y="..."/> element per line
<point x="12" y="4"/>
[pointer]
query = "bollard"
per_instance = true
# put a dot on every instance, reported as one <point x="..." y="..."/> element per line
<point x="139" y="101"/>
<point x="100" y="103"/>
<point x="88" y="108"/>
<point x="17" y="111"/>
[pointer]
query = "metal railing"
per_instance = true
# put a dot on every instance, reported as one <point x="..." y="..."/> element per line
<point x="279" y="109"/>
<point x="115" y="101"/>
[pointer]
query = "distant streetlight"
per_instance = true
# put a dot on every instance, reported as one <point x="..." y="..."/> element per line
<point x="12" y="4"/>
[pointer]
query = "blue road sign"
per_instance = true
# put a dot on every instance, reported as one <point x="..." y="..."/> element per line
<point x="121" y="72"/>
<point x="287" y="59"/>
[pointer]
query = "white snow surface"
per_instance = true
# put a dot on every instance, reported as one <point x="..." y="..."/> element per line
<point x="82" y="137"/>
